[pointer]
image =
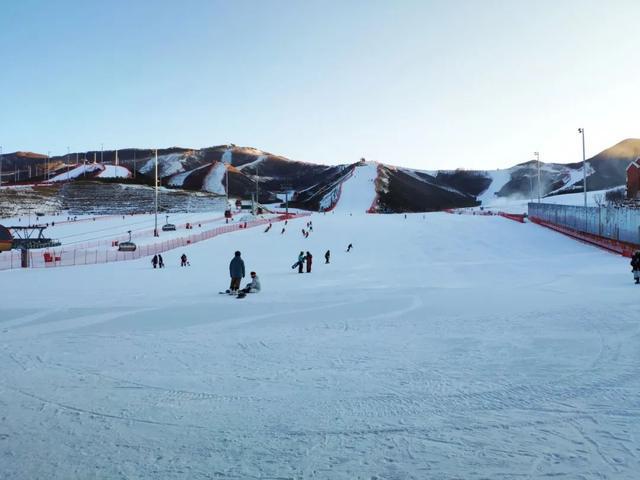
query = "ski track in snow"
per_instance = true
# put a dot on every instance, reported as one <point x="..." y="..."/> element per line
<point x="443" y="346"/>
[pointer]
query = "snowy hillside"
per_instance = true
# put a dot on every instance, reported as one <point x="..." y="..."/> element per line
<point x="419" y="354"/>
<point x="359" y="191"/>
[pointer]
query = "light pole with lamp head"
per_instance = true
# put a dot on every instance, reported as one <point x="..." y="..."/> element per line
<point x="155" y="230"/>
<point x="537" y="155"/>
<point x="584" y="167"/>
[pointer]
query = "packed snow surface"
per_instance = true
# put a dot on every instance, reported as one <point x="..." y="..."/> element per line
<point x="441" y="347"/>
<point x="359" y="190"/>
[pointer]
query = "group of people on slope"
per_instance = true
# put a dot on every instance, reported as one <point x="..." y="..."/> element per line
<point x="158" y="262"/>
<point x="302" y="259"/>
<point x="237" y="273"/>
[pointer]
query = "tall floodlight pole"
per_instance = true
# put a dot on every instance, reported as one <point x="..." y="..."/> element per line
<point x="47" y="172"/>
<point x="537" y="155"/>
<point x="0" y="165"/>
<point x="226" y="177"/>
<point x="155" y="230"/>
<point x="257" y="185"/>
<point x="67" y="165"/>
<point x="102" y="153"/>
<point x="584" y="168"/>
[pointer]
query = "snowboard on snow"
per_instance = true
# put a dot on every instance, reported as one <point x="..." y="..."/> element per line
<point x="233" y="294"/>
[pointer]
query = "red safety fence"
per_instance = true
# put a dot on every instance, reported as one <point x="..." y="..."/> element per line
<point x="517" y="217"/>
<point x="617" y="246"/>
<point x="70" y="256"/>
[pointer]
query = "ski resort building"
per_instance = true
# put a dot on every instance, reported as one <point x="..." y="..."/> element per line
<point x="633" y="179"/>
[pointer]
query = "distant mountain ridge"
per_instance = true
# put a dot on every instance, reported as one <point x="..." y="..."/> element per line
<point x="248" y="170"/>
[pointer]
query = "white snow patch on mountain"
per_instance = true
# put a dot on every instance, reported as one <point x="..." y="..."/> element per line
<point x="572" y="176"/>
<point x="256" y="162"/>
<point x="213" y="181"/>
<point x="499" y="178"/>
<point x="227" y="157"/>
<point x="77" y="172"/>
<point x="178" y="180"/>
<point x="114" y="171"/>
<point x="168" y="164"/>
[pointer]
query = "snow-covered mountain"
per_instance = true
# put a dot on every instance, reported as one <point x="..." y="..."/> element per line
<point x="248" y="170"/>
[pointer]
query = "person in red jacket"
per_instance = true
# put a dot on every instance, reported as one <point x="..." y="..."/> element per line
<point x="309" y="259"/>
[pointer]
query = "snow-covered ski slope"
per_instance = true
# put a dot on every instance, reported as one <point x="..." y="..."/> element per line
<point x="442" y="346"/>
<point x="359" y="190"/>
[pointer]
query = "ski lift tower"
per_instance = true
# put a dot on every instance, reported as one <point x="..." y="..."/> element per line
<point x="25" y="238"/>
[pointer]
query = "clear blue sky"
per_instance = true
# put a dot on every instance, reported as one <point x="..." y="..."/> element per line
<point x="427" y="84"/>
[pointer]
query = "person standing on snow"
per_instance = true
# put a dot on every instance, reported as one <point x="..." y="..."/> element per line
<point x="635" y="266"/>
<point x="300" y="262"/>
<point x="309" y="259"/>
<point x="183" y="260"/>
<point x="160" y="261"/>
<point x="236" y="271"/>
<point x="154" y="261"/>
<point x="349" y="248"/>
<point x="327" y="255"/>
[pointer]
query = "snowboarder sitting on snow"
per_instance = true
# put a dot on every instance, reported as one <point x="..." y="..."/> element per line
<point x="309" y="259"/>
<point x="154" y="261"/>
<point x="635" y="266"/>
<point x="236" y="271"/>
<point x="253" y="286"/>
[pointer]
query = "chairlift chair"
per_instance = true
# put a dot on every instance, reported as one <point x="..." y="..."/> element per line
<point x="168" y="227"/>
<point x="127" y="246"/>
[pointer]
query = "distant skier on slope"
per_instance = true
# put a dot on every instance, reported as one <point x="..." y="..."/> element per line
<point x="236" y="272"/>
<point x="183" y="260"/>
<point x="635" y="266"/>
<point x="309" y="259"/>
<point x="160" y="261"/>
<point x="327" y="256"/>
<point x="349" y="247"/>
<point x="154" y="261"/>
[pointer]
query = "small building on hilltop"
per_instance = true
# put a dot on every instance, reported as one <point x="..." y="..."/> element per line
<point x="633" y="179"/>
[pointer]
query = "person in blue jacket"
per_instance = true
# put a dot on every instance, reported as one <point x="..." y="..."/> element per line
<point x="236" y="271"/>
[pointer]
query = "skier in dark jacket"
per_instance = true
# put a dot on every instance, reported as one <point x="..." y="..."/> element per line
<point x="327" y="256"/>
<point x="183" y="260"/>
<point x="635" y="266"/>
<point x="309" y="259"/>
<point x="236" y="271"/>
<point x="154" y="261"/>
<point x="349" y="248"/>
<point x="160" y="261"/>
